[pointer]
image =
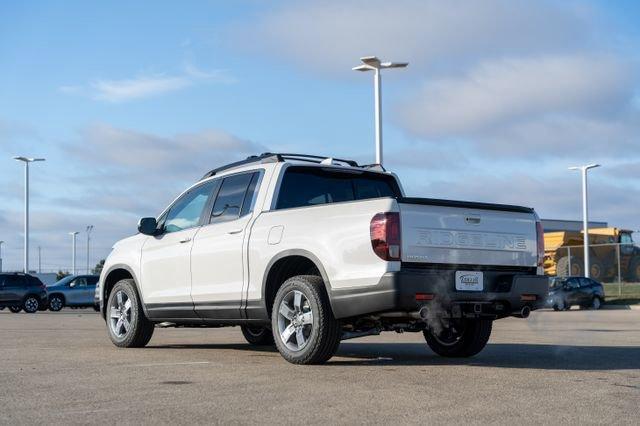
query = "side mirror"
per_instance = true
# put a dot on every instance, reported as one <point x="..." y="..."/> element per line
<point x="148" y="226"/>
<point x="72" y="284"/>
<point x="224" y="210"/>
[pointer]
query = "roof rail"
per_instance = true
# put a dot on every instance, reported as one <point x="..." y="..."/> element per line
<point x="316" y="159"/>
<point x="266" y="157"/>
<point x="269" y="157"/>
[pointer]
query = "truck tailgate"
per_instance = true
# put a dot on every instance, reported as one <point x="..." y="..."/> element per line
<point x="464" y="233"/>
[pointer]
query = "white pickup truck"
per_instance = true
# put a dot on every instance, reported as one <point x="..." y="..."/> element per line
<point x="305" y="251"/>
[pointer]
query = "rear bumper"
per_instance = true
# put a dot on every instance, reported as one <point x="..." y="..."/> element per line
<point x="506" y="294"/>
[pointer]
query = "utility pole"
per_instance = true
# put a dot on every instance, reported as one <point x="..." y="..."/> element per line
<point x="39" y="259"/>
<point x="26" y="162"/>
<point x="73" y="252"/>
<point x="89" y="229"/>
<point x="372" y="63"/>
<point x="1" y="242"/>
<point x="585" y="213"/>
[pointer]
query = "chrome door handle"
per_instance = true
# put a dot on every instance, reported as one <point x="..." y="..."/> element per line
<point x="185" y="240"/>
<point x="235" y="231"/>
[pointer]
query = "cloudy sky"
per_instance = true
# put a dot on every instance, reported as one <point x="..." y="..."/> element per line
<point x="130" y="103"/>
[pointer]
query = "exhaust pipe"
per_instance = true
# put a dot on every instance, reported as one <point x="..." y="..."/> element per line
<point x="424" y="313"/>
<point x="524" y="312"/>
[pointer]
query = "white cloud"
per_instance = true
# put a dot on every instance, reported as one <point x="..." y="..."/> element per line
<point x="331" y="35"/>
<point x="501" y="92"/>
<point x="118" y="165"/>
<point x="136" y="88"/>
<point x="144" y="86"/>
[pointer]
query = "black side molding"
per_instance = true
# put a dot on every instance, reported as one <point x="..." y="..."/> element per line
<point x="465" y="204"/>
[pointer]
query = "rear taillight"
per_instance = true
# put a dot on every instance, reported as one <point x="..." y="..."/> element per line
<point x="540" y="243"/>
<point x="385" y="235"/>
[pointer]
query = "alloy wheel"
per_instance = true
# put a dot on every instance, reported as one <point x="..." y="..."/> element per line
<point x="55" y="304"/>
<point x="31" y="305"/>
<point x="295" y="320"/>
<point x="120" y="314"/>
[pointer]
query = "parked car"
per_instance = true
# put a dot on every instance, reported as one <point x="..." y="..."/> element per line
<point x="565" y="292"/>
<point x="20" y="291"/>
<point x="74" y="291"/>
<point x="309" y="251"/>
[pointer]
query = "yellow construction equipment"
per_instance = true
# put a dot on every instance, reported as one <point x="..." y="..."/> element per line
<point x="564" y="254"/>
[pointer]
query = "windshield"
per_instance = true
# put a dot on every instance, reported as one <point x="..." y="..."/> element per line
<point x="65" y="280"/>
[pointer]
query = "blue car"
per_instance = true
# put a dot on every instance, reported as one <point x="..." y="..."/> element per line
<point x="74" y="290"/>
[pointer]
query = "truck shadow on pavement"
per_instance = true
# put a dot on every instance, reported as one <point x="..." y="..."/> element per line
<point x="501" y="355"/>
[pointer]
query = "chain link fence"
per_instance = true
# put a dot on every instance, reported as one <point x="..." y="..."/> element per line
<point x="611" y="263"/>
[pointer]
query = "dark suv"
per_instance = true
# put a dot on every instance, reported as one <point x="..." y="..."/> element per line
<point x="22" y="291"/>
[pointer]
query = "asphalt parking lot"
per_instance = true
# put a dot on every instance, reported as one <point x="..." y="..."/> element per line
<point x="555" y="367"/>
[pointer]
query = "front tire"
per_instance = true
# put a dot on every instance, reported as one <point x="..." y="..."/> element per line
<point x="15" y="309"/>
<point x="56" y="303"/>
<point x="257" y="336"/>
<point x="31" y="305"/>
<point x="596" y="303"/>
<point x="304" y="328"/>
<point x="463" y="338"/>
<point x="126" y="323"/>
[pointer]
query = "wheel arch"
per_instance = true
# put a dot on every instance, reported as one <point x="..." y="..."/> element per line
<point x="287" y="264"/>
<point x="114" y="274"/>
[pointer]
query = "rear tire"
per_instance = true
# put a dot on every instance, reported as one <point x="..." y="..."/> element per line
<point x="257" y="336"/>
<point x="634" y="270"/>
<point x="562" y="267"/>
<point x="468" y="339"/>
<point x="127" y="325"/>
<point x="31" y="304"/>
<point x="304" y="328"/>
<point x="56" y="303"/>
<point x="596" y="270"/>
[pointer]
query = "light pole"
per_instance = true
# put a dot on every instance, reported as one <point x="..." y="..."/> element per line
<point x="73" y="252"/>
<point x="89" y="229"/>
<point x="39" y="259"/>
<point x="26" y="162"/>
<point x="372" y="63"/>
<point x="1" y="243"/>
<point x="585" y="214"/>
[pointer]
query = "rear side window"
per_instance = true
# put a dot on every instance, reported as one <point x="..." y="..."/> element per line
<point x="35" y="281"/>
<point x="311" y="186"/>
<point x="92" y="280"/>
<point x="231" y="197"/>
<point x="15" y="281"/>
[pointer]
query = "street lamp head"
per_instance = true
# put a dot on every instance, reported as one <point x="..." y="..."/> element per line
<point x="394" y="64"/>
<point x="363" y="68"/>
<point x="587" y="167"/>
<point x="74" y="233"/>
<point x="27" y="159"/>
<point x="371" y="61"/>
